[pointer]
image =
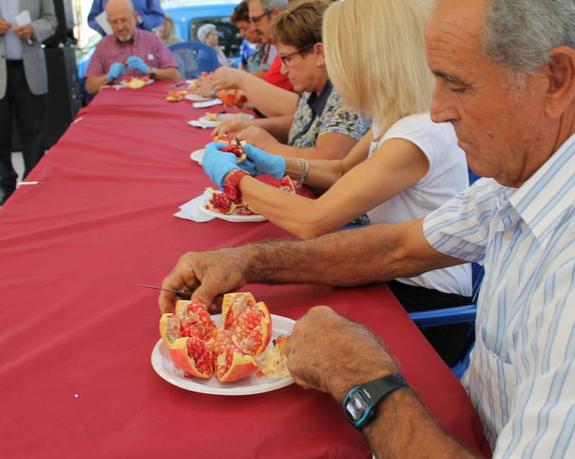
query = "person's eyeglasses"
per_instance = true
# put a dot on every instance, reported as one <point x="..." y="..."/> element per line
<point x="286" y="58"/>
<point x="256" y="19"/>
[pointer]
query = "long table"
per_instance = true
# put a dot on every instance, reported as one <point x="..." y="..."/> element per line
<point x="75" y="373"/>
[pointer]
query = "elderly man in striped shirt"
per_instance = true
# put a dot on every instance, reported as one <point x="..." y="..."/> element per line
<point x="505" y="79"/>
<point x="129" y="51"/>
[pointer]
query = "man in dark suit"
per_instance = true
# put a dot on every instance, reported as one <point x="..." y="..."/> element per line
<point x="23" y="83"/>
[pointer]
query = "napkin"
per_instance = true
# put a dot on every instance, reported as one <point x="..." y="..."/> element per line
<point x="200" y="124"/>
<point x="207" y="103"/>
<point x="190" y="210"/>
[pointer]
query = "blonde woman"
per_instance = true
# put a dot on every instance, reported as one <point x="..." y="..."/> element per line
<point x="405" y="167"/>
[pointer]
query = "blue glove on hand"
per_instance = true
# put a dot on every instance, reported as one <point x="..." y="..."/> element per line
<point x="136" y="63"/>
<point x="266" y="163"/>
<point x="116" y="71"/>
<point x="217" y="164"/>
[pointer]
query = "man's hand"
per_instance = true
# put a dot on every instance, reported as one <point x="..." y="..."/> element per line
<point x="258" y="137"/>
<point x="4" y="26"/>
<point x="25" y="31"/>
<point x="207" y="275"/>
<point x="136" y="63"/>
<point x="266" y="163"/>
<point x="332" y="354"/>
<point x="116" y="71"/>
<point x="230" y="127"/>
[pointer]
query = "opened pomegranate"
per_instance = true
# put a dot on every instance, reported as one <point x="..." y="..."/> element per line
<point x="201" y="349"/>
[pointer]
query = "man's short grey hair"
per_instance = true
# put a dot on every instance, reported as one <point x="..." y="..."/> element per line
<point x="269" y="5"/>
<point x="520" y="33"/>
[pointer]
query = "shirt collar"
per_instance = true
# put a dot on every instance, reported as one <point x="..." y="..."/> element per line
<point x="543" y="199"/>
<point x="317" y="102"/>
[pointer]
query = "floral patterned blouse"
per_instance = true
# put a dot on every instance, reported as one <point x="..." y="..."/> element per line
<point x="324" y="114"/>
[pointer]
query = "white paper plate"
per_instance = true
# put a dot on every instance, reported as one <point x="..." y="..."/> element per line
<point x="229" y="218"/>
<point x="224" y="117"/>
<point x="198" y="155"/>
<point x="196" y="97"/>
<point x="163" y="365"/>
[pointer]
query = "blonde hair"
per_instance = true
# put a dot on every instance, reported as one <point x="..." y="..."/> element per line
<point x="385" y="75"/>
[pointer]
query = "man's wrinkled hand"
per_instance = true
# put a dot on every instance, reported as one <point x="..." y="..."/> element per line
<point x="24" y="32"/>
<point x="4" y="26"/>
<point x="330" y="353"/>
<point x="207" y="275"/>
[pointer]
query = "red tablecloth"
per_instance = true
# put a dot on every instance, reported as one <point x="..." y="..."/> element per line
<point x="75" y="373"/>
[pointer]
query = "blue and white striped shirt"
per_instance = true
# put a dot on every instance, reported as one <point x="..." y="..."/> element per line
<point x="522" y="372"/>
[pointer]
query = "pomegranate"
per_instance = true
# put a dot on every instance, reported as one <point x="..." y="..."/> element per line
<point x="201" y="349"/>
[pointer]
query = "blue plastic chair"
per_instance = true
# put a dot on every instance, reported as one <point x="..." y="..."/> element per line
<point x="193" y="58"/>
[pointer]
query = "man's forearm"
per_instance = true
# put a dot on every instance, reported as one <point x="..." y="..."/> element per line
<point x="346" y="258"/>
<point x="169" y="73"/>
<point x="403" y="428"/>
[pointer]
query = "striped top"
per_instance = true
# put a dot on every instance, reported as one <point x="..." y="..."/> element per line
<point x="146" y="45"/>
<point x="522" y="372"/>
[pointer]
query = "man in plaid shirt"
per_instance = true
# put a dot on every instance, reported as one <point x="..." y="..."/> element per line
<point x="129" y="51"/>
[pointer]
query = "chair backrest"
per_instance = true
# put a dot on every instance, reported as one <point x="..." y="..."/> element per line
<point x="193" y="58"/>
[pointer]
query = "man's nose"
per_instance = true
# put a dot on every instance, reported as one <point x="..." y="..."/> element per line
<point x="442" y="107"/>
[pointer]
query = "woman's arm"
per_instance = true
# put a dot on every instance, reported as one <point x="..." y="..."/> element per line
<point x="323" y="173"/>
<point x="327" y="146"/>
<point x="394" y="167"/>
<point x="267" y="98"/>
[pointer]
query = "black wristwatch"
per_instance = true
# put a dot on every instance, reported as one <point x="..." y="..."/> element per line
<point x="361" y="401"/>
<point x="153" y="73"/>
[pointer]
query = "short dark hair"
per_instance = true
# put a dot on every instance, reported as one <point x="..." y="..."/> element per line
<point x="241" y="13"/>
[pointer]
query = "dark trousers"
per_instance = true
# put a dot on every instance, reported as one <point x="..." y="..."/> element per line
<point x="28" y="110"/>
<point x="447" y="340"/>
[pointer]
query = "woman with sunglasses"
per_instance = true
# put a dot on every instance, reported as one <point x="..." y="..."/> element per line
<point x="321" y="126"/>
<point x="404" y="168"/>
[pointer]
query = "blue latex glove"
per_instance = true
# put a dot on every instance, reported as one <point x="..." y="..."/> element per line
<point x="116" y="71"/>
<point x="136" y="63"/>
<point x="266" y="163"/>
<point x="218" y="164"/>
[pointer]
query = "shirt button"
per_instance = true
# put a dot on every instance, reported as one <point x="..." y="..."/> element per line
<point x="507" y="235"/>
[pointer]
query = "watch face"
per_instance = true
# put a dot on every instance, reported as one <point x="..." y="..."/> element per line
<point x="356" y="405"/>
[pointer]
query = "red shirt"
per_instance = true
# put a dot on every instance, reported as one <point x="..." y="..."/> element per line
<point x="146" y="45"/>
<point x="275" y="77"/>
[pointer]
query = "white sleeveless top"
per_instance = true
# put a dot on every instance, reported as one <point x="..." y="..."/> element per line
<point x="446" y="177"/>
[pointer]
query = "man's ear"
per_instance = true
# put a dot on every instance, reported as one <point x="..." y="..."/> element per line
<point x="318" y="50"/>
<point x="560" y="74"/>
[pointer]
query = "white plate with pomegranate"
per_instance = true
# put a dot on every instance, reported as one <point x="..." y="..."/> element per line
<point x="233" y="217"/>
<point x="164" y="366"/>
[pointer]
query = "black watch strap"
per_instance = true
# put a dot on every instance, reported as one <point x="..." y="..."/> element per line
<point x="381" y="387"/>
<point x="368" y="396"/>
